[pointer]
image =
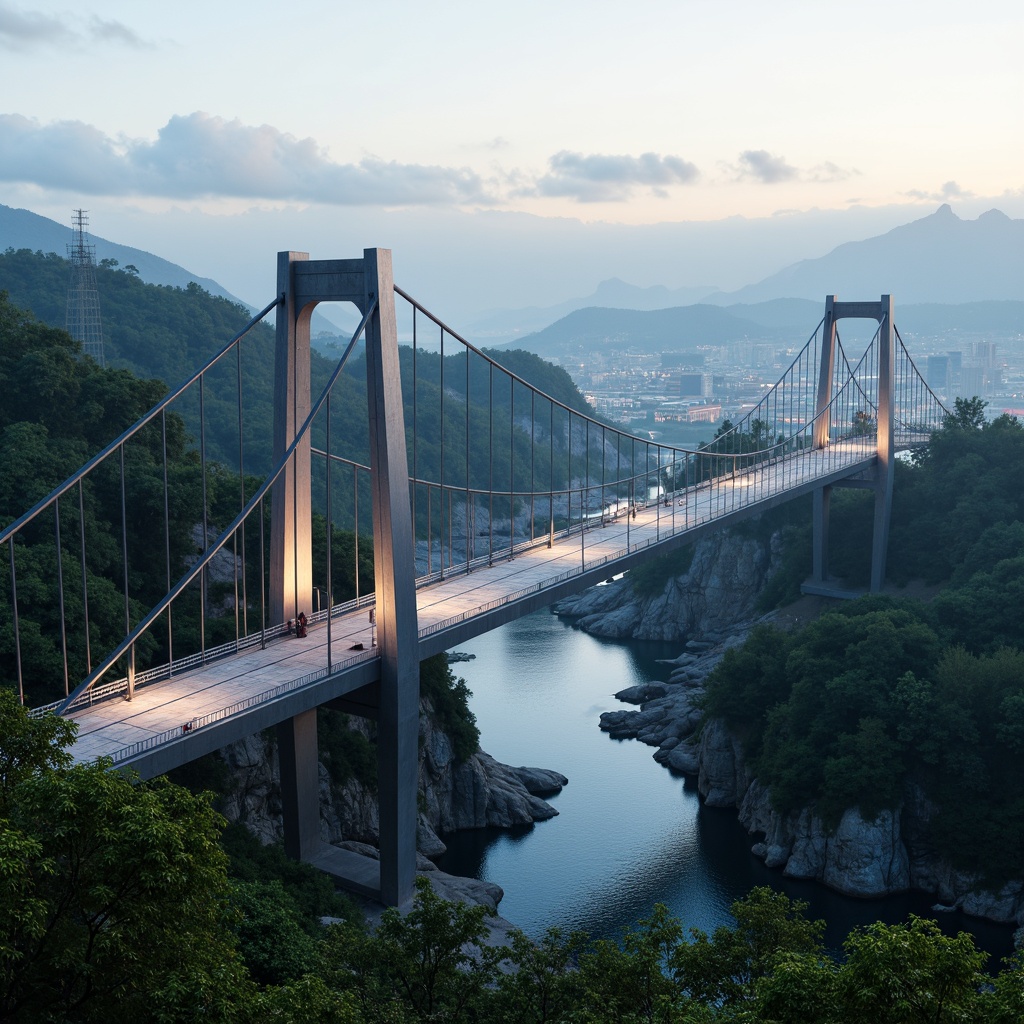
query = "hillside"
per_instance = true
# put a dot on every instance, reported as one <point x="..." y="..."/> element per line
<point x="167" y="333"/>
<point x="23" y="229"/>
<point x="659" y="330"/>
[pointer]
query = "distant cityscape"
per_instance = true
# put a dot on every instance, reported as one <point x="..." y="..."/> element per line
<point x="683" y="397"/>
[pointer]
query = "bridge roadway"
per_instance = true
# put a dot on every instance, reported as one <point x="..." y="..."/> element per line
<point x="238" y="695"/>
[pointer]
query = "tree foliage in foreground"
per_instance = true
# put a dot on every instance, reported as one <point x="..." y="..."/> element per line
<point x="113" y="894"/>
<point x="116" y="905"/>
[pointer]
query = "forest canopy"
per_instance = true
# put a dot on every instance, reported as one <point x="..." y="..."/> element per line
<point x="886" y="693"/>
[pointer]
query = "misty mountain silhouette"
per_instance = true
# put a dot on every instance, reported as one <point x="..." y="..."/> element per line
<point x="939" y="258"/>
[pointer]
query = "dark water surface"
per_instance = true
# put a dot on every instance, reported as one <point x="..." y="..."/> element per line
<point x="629" y="833"/>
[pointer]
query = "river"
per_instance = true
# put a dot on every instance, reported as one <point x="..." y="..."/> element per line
<point x="629" y="832"/>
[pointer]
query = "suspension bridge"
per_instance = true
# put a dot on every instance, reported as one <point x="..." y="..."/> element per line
<point x="487" y="500"/>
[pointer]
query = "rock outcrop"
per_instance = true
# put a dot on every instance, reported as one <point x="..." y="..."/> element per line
<point x="477" y="792"/>
<point x="725" y="579"/>
<point x="862" y="858"/>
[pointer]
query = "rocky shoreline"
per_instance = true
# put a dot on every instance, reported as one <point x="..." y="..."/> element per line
<point x="478" y="792"/>
<point x="859" y="858"/>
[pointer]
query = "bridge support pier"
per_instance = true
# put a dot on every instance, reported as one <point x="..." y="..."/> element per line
<point x="819" y="535"/>
<point x="297" y="754"/>
<point x="367" y="283"/>
<point x="395" y="581"/>
<point x="882" y="311"/>
<point x="886" y="441"/>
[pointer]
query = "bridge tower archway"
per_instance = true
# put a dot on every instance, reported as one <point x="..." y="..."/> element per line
<point x="881" y="482"/>
<point x="368" y="284"/>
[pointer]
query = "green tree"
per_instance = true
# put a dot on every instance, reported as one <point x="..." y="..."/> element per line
<point x="271" y="939"/>
<point x="726" y="967"/>
<point x="631" y="981"/>
<point x="909" y="973"/>
<point x="967" y="414"/>
<point x="430" y="964"/>
<point x="543" y="985"/>
<point x="112" y="893"/>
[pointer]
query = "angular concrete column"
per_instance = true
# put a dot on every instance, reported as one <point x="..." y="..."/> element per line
<point x="395" y="574"/>
<point x="882" y="312"/>
<point x="291" y="559"/>
<point x="886" y="441"/>
<point x="819" y="535"/>
<point x="297" y="754"/>
<point x="823" y="419"/>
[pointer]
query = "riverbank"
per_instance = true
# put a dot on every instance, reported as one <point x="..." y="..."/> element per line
<point x="864" y="857"/>
<point x="628" y="834"/>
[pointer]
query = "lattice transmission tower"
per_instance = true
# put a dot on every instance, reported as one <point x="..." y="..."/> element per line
<point x="83" y="320"/>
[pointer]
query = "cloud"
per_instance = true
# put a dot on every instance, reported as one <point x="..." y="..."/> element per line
<point x="765" y="167"/>
<point x="829" y="172"/>
<point x="198" y="155"/>
<point x="768" y="169"/>
<point x="600" y="178"/>
<point x="950" y="190"/>
<point x="115" y="32"/>
<point x="26" y="30"/>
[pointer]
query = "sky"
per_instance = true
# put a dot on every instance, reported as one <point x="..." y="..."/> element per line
<point x="510" y="154"/>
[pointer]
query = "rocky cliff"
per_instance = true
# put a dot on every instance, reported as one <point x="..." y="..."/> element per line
<point x="721" y="588"/>
<point x="858" y="858"/>
<point x="475" y="793"/>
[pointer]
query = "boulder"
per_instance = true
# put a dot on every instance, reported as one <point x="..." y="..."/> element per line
<point x="721" y="587"/>
<point x="540" y="781"/>
<point x="684" y="758"/>
<point x="809" y="843"/>
<point x="642" y="692"/>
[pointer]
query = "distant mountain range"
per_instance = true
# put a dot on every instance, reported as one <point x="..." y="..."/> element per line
<point x="504" y="324"/>
<point x="939" y="259"/>
<point x="680" y="328"/>
<point x="782" y="321"/>
<point x="945" y="274"/>
<point x="930" y="266"/>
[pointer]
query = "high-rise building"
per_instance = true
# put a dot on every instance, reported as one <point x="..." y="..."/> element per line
<point x="82" y="320"/>
<point x="692" y="385"/>
<point x="937" y="372"/>
<point x="956" y="361"/>
<point x="985" y="354"/>
<point x="973" y="382"/>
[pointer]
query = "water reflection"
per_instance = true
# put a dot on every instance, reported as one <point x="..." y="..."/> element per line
<point x="629" y="833"/>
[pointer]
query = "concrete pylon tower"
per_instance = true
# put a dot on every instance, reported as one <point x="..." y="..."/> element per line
<point x="83" y="320"/>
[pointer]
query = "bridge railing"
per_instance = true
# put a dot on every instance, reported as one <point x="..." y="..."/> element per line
<point x="497" y="465"/>
<point x="919" y="411"/>
<point x="113" y="486"/>
<point x="504" y="463"/>
<point x="253" y="509"/>
<point x="678" y="489"/>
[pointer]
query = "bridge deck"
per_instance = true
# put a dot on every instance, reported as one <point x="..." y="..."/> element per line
<point x="449" y="611"/>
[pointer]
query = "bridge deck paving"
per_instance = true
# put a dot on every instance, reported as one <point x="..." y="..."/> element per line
<point x="161" y="707"/>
